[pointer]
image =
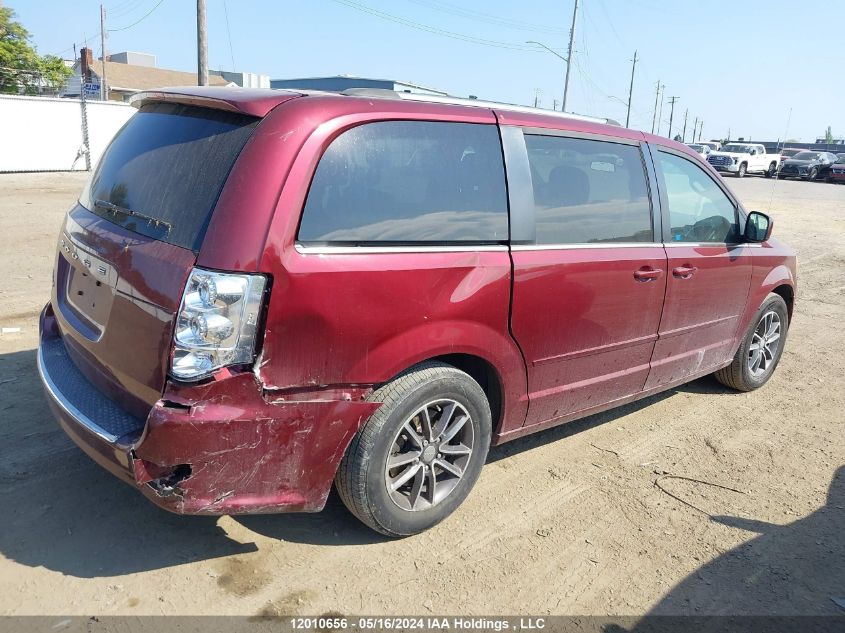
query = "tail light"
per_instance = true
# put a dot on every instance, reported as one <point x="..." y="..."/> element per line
<point x="217" y="322"/>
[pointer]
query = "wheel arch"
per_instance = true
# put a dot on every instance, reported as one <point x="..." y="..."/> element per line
<point x="485" y="374"/>
<point x="787" y="293"/>
<point x="480" y="369"/>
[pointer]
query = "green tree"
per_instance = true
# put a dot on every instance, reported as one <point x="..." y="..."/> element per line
<point x="22" y="69"/>
<point x="828" y="136"/>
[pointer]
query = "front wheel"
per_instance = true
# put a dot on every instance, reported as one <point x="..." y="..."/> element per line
<point x="812" y="175"/>
<point x="760" y="350"/>
<point x="418" y="456"/>
<point x="742" y="169"/>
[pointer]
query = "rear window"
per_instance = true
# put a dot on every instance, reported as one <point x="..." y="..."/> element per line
<point x="163" y="172"/>
<point x="400" y="182"/>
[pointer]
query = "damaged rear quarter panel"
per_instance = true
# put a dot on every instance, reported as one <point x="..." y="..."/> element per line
<point x="249" y="455"/>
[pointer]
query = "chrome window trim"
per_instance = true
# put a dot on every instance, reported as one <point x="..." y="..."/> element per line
<point x="305" y="249"/>
<point x="591" y="245"/>
<point x="68" y="406"/>
<point x="705" y="244"/>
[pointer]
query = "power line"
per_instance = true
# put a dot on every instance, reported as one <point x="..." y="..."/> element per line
<point x="146" y="15"/>
<point x="488" y="18"/>
<point x="229" y="33"/>
<point x="610" y="22"/>
<point x="112" y="13"/>
<point x="431" y="29"/>
<point x="125" y="8"/>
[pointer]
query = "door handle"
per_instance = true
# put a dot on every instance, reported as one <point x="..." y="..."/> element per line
<point x="647" y="273"/>
<point x="684" y="272"/>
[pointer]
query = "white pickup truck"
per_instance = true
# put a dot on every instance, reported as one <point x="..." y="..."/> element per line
<point x="743" y="158"/>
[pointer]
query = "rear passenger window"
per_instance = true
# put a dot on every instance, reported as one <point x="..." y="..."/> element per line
<point x="409" y="182"/>
<point x="588" y="191"/>
<point x="699" y="211"/>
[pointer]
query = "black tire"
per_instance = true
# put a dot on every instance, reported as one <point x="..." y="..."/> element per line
<point x="812" y="175"/>
<point x="773" y="169"/>
<point x="742" y="169"/>
<point x="738" y="375"/>
<point x="361" y="477"/>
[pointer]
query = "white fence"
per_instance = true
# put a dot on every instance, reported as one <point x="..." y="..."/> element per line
<point x="45" y="134"/>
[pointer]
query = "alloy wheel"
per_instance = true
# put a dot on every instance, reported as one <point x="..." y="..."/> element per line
<point x="429" y="455"/>
<point x="765" y="343"/>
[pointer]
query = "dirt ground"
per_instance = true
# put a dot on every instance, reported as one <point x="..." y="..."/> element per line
<point x="569" y="521"/>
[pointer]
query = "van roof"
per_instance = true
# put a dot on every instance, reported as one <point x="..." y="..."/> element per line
<point x="258" y="102"/>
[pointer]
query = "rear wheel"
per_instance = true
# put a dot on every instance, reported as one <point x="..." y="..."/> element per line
<point x="773" y="169"/>
<point x="418" y="456"/>
<point x="761" y="349"/>
<point x="742" y="169"/>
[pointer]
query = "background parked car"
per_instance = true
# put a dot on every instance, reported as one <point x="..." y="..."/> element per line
<point x="808" y="165"/>
<point x="742" y="158"/>
<point x="789" y="152"/>
<point x="700" y="149"/>
<point x="837" y="170"/>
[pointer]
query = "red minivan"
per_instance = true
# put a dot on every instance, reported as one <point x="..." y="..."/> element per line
<point x="260" y="293"/>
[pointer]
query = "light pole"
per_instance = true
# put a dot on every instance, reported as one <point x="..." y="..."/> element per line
<point x="556" y="54"/>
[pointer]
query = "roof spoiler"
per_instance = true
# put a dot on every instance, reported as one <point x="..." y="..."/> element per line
<point x="240" y="100"/>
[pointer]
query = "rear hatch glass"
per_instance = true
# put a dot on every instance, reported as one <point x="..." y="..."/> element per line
<point x="128" y="247"/>
<point x="162" y="174"/>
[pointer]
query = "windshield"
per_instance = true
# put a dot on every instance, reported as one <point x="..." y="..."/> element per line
<point x="163" y="172"/>
<point x="840" y="160"/>
<point x="806" y="156"/>
<point x="697" y="148"/>
<point x="737" y="149"/>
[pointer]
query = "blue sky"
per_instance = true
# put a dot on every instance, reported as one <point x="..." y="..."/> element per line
<point x="736" y="65"/>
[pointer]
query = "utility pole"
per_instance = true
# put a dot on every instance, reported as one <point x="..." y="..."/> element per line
<point x="700" y="128"/>
<point x="694" y="127"/>
<point x="631" y="90"/>
<point x="660" y="111"/>
<point x="656" y="97"/>
<point x="569" y="57"/>
<point x="554" y="104"/>
<point x="684" y="133"/>
<point x="104" y="90"/>
<point x="672" y="101"/>
<point x="536" y="97"/>
<point x="202" y="45"/>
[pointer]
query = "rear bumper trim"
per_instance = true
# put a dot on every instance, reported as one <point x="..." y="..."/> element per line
<point x="123" y="424"/>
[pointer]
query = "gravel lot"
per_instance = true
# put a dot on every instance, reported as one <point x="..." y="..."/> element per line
<point x="565" y="522"/>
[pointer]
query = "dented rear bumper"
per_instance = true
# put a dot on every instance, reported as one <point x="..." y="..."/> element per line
<point x="222" y="447"/>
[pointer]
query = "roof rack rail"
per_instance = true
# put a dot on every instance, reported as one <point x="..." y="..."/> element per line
<point x="384" y="93"/>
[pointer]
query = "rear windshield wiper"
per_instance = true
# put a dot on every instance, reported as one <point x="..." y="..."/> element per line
<point x="114" y="208"/>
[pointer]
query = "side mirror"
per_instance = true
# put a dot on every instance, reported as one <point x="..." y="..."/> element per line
<point x="758" y="227"/>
